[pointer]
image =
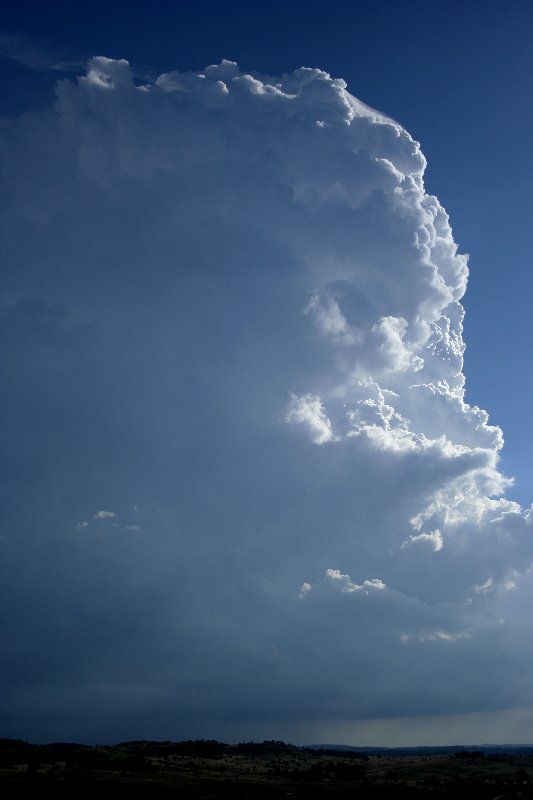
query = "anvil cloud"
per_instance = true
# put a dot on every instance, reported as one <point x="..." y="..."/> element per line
<point x="242" y="481"/>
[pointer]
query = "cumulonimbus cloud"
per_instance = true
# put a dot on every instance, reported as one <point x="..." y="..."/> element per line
<point x="233" y="308"/>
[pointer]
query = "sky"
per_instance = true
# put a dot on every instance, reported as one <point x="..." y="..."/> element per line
<point x="262" y="479"/>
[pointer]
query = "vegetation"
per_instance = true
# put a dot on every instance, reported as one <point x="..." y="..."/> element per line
<point x="211" y="770"/>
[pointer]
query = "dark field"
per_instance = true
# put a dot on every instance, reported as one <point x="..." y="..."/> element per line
<point x="205" y="770"/>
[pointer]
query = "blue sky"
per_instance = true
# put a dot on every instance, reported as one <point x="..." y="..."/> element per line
<point x="244" y="495"/>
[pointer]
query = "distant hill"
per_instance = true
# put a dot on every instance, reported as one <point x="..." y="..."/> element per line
<point x="429" y="750"/>
<point x="210" y="747"/>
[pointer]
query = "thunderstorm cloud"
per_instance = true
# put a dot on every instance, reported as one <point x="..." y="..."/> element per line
<point x="242" y="480"/>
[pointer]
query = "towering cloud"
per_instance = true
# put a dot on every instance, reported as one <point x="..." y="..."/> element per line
<point x="232" y="315"/>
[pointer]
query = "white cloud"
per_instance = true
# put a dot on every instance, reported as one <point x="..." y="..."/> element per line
<point x="331" y="322"/>
<point x="304" y="589"/>
<point x="435" y="636"/>
<point x="484" y="588"/>
<point x="185" y="256"/>
<point x="434" y="539"/>
<point x="309" y="411"/>
<point x="374" y="584"/>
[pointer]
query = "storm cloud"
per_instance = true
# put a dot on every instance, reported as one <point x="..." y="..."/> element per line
<point x="241" y="479"/>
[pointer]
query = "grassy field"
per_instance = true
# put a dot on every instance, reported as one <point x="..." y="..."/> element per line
<point x="211" y="770"/>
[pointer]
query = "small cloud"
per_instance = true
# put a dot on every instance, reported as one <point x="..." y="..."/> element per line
<point x="305" y="588"/>
<point x="437" y="635"/>
<point x="104" y="515"/>
<point x="434" y="538"/>
<point x="309" y="410"/>
<point x="337" y="575"/>
<point x="484" y="588"/>
<point x="82" y="524"/>
<point x="368" y="585"/>
<point x="133" y="527"/>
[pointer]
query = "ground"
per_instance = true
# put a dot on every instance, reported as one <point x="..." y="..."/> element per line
<point x="205" y="770"/>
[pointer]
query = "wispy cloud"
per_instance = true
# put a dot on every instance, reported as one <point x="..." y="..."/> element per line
<point x="35" y="54"/>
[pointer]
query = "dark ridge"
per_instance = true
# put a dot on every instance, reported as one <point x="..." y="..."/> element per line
<point x="212" y="747"/>
<point x="427" y="750"/>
